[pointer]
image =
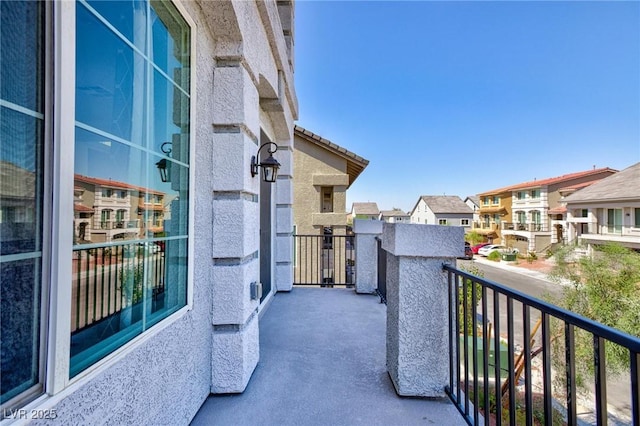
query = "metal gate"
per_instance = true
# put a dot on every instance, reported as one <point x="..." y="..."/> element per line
<point x="324" y="260"/>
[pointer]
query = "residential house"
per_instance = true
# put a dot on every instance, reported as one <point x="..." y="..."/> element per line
<point x="365" y="211"/>
<point x="152" y="114"/>
<point x="473" y="201"/>
<point x="323" y="172"/>
<point x="107" y="210"/>
<point x="442" y="210"/>
<point x="517" y="215"/>
<point x="394" y="216"/>
<point x="606" y="211"/>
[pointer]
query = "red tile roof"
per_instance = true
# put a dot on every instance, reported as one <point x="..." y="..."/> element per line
<point x="114" y="184"/>
<point x="549" y="181"/>
<point x="558" y="210"/>
<point x="82" y="208"/>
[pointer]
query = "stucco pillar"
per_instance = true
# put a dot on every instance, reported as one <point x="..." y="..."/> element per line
<point x="236" y="223"/>
<point x="417" y="305"/>
<point x="366" y="254"/>
<point x="284" y="219"/>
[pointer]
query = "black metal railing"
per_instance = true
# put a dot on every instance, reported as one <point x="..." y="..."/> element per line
<point x="324" y="260"/>
<point x="382" y="272"/>
<point x="108" y="279"/>
<point x="486" y="363"/>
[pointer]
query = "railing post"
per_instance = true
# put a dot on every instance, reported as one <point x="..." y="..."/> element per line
<point x="418" y="305"/>
<point x="366" y="232"/>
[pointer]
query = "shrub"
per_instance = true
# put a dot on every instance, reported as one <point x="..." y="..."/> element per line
<point x="531" y="257"/>
<point x="495" y="256"/>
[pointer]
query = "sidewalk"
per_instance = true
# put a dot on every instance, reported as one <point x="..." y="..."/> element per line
<point x="508" y="266"/>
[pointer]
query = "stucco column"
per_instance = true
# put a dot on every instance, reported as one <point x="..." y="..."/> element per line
<point x="417" y="305"/>
<point x="236" y="223"/>
<point x="366" y="254"/>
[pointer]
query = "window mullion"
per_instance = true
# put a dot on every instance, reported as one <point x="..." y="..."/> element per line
<point x="64" y="58"/>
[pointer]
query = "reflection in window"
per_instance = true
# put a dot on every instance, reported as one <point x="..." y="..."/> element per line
<point x="21" y="200"/>
<point x="129" y="259"/>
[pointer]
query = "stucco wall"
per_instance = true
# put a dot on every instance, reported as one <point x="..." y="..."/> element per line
<point x="164" y="377"/>
<point x="314" y="165"/>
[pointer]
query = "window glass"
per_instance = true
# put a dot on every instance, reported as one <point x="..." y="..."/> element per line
<point x="170" y="38"/>
<point x="21" y="199"/>
<point x="128" y="18"/>
<point x="131" y="147"/>
<point x="614" y="221"/>
<point x="637" y="217"/>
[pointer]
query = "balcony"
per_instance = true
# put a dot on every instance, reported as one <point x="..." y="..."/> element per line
<point x="337" y="361"/>
<point x="327" y="366"/>
<point x="108" y="225"/>
<point x="525" y="227"/>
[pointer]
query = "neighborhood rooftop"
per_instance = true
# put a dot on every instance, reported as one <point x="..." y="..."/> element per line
<point x="446" y="204"/>
<point x="624" y="185"/>
<point x="549" y="181"/>
<point x="355" y="163"/>
<point x="365" y="208"/>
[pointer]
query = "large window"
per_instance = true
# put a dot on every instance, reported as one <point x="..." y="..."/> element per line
<point x="132" y="119"/>
<point x="22" y="153"/>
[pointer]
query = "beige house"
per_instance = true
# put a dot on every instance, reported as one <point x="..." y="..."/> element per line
<point x="518" y="215"/>
<point x="107" y="210"/>
<point x="323" y="172"/>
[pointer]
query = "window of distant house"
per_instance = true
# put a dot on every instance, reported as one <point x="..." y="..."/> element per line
<point x="519" y="195"/>
<point x="327" y="199"/>
<point x="485" y="201"/>
<point x="133" y="96"/>
<point x="614" y="221"/>
<point x="464" y="222"/>
<point x="496" y="218"/>
<point x="636" y="213"/>
<point x="584" y="213"/>
<point x="442" y="221"/>
<point x="23" y="269"/>
<point x="535" y="193"/>
<point x="495" y="200"/>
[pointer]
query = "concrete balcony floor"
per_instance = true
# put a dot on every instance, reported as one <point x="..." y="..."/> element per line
<point x="322" y="362"/>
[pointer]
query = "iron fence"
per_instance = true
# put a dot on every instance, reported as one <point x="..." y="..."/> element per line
<point x="324" y="260"/>
<point x="110" y="278"/>
<point x="486" y="363"/>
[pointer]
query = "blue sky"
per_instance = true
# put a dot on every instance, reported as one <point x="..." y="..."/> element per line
<point x="458" y="98"/>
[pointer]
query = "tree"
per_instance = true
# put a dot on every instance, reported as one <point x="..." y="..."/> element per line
<point x="604" y="287"/>
<point x="473" y="238"/>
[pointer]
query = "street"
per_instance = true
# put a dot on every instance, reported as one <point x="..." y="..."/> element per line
<point x="618" y="388"/>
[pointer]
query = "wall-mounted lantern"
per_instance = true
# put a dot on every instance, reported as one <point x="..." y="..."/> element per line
<point x="269" y="165"/>
<point x="163" y="165"/>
